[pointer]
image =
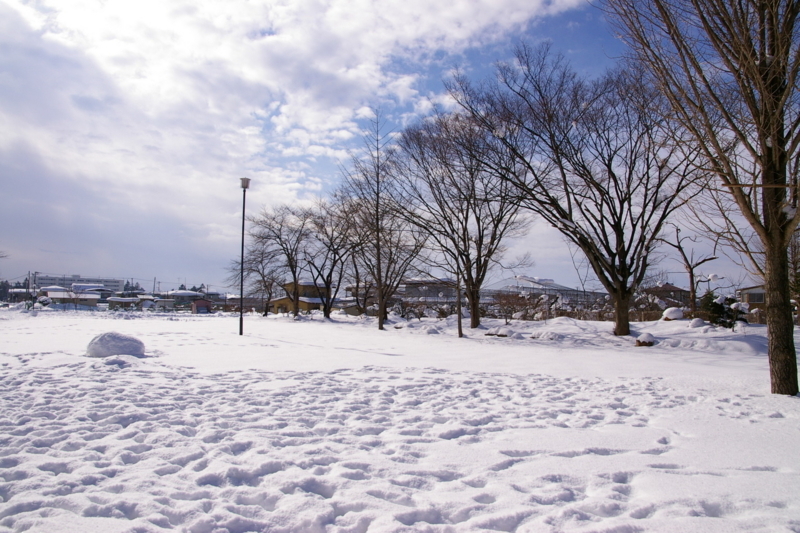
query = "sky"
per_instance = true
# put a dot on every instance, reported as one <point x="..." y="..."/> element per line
<point x="127" y="125"/>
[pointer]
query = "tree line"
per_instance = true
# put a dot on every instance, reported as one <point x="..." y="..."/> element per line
<point x="704" y="108"/>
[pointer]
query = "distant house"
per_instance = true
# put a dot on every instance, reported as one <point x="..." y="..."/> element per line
<point x="51" y="288"/>
<point x="164" y="304"/>
<point x="309" y="299"/>
<point x="670" y="294"/>
<point x="202" y="307"/>
<point x="534" y="287"/>
<point x="184" y="298"/>
<point x="19" y="295"/>
<point x="121" y="302"/>
<point x="76" y="295"/>
<point x="754" y="297"/>
<point x="141" y="301"/>
<point x="427" y="290"/>
<point x="347" y="305"/>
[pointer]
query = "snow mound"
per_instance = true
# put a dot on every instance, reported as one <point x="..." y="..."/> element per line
<point x="113" y="343"/>
<point x="645" y="339"/>
<point x="505" y="332"/>
<point x="697" y="323"/>
<point x="546" y="336"/>
<point x="672" y="313"/>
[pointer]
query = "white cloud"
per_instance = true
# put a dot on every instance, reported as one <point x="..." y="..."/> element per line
<point x="161" y="105"/>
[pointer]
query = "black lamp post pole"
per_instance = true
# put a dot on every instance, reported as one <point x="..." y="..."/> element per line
<point x="245" y="185"/>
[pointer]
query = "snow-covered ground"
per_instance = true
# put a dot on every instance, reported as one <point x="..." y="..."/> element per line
<point x="314" y="425"/>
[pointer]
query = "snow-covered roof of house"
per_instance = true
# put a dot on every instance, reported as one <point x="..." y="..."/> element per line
<point x="73" y="295"/>
<point x="53" y="288"/>
<point x="754" y="288"/>
<point x="305" y="282"/>
<point x="304" y="299"/>
<point x="348" y="301"/>
<point x="121" y="300"/>
<point x="527" y="282"/>
<point x="665" y="287"/>
<point x="83" y="287"/>
<point x="182" y="292"/>
<point x="429" y="281"/>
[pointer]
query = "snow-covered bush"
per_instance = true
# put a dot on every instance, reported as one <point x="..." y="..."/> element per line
<point x="721" y="310"/>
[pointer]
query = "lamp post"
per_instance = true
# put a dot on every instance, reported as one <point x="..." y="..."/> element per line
<point x="245" y="186"/>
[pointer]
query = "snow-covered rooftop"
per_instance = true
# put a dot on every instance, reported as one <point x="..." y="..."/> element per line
<point x="527" y="282"/>
<point x="182" y="292"/>
<point x="73" y="295"/>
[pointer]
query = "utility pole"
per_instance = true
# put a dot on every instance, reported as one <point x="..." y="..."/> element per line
<point x="458" y="300"/>
<point x="245" y="185"/>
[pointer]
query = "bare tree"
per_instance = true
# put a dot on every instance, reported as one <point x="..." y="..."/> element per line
<point x="794" y="270"/>
<point x="690" y="263"/>
<point x="716" y="217"/>
<point x="283" y="232"/>
<point x="511" y="305"/>
<point x="264" y="272"/>
<point x="361" y="285"/>
<point x="594" y="160"/>
<point x="331" y="242"/>
<point x="389" y="244"/>
<point x="467" y="211"/>
<point x="730" y="72"/>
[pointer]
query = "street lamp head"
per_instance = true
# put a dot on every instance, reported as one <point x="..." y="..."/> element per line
<point x="245" y="183"/>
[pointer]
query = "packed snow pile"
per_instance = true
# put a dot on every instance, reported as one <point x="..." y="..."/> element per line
<point x="697" y="323"/>
<point x="546" y="336"/>
<point x="113" y="343"/>
<point x="645" y="339"/>
<point x="672" y="313"/>
<point x="500" y="332"/>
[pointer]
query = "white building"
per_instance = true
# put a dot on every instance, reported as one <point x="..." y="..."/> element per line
<point x="113" y="285"/>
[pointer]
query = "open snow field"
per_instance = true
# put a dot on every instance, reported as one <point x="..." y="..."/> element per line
<point x="314" y="425"/>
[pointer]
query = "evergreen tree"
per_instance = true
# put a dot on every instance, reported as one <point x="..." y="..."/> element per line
<point x="720" y="310"/>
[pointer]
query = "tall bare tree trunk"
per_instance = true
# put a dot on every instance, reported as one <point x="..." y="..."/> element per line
<point x="730" y="71"/>
<point x="780" y="323"/>
<point x="622" y="318"/>
<point x="473" y="297"/>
